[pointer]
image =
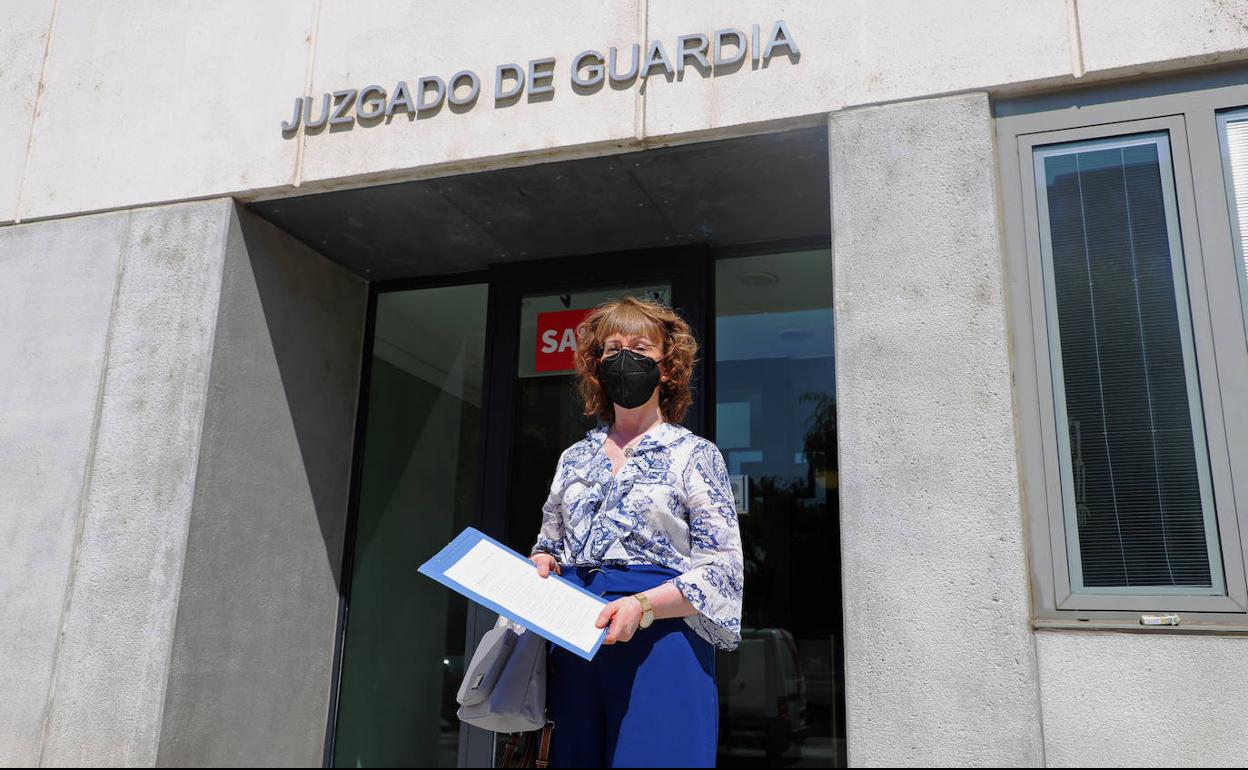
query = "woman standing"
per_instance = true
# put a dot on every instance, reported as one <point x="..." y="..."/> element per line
<point x="641" y="512"/>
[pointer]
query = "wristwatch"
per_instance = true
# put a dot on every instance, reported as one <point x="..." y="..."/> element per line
<point x="647" y="612"/>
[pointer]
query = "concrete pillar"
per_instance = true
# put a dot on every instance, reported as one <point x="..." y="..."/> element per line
<point x="252" y="654"/>
<point x="56" y="302"/>
<point x="106" y="361"/>
<point x="939" y="652"/>
<point x="173" y="375"/>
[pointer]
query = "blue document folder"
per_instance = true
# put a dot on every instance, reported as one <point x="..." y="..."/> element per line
<point x="449" y="556"/>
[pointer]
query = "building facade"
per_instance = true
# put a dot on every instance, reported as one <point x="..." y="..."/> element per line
<point x="286" y="291"/>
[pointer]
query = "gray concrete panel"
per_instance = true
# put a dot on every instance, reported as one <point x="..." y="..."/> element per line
<point x="939" y="653"/>
<point x="108" y="692"/>
<point x="55" y="303"/>
<point x="250" y="676"/>
<point x="1128" y="700"/>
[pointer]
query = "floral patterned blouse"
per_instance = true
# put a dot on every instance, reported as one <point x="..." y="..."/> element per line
<point x="670" y="504"/>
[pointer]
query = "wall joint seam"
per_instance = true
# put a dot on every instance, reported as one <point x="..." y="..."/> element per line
<point x="34" y="118"/>
<point x="301" y="140"/>
<point x="639" y="103"/>
<point x="1074" y="38"/>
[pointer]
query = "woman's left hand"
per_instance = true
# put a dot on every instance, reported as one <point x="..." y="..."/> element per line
<point x="624" y="615"/>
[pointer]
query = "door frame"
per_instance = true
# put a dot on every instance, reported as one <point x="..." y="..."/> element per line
<point x="690" y="271"/>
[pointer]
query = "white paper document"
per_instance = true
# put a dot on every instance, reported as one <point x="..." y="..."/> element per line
<point x="501" y="579"/>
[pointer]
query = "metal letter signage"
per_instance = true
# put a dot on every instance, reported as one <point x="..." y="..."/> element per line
<point x="722" y="52"/>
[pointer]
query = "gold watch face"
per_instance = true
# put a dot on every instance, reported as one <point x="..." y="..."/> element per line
<point x="647" y="618"/>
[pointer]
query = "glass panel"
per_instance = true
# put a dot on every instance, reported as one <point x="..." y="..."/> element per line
<point x="549" y="414"/>
<point x="1135" y="468"/>
<point x="404" y="653"/>
<point x="1233" y="128"/>
<point x="781" y="691"/>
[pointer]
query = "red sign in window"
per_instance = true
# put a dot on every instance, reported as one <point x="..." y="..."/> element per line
<point x="556" y="340"/>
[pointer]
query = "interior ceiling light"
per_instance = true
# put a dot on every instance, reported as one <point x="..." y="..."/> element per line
<point x="757" y="279"/>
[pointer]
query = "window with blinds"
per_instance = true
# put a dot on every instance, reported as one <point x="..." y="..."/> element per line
<point x="1136" y="487"/>
<point x="1233" y="127"/>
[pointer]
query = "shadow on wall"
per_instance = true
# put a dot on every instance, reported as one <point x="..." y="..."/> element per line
<point x="318" y="358"/>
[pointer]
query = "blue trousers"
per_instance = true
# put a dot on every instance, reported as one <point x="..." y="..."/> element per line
<point x="648" y="702"/>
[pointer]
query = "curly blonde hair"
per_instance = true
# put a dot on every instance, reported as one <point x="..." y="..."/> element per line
<point x="631" y="316"/>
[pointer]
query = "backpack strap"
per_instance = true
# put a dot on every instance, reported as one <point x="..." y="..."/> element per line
<point x="543" y="753"/>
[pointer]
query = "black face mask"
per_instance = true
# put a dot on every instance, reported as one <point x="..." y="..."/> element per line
<point x="629" y="378"/>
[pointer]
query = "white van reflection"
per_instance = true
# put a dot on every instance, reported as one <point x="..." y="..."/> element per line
<point x="762" y="694"/>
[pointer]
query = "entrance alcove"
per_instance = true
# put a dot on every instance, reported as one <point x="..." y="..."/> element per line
<point x="463" y="413"/>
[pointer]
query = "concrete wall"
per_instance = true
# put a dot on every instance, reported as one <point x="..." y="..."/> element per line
<point x="252" y="653"/>
<point x="133" y="102"/>
<point x="56" y="300"/>
<point x="147" y="102"/>
<point x="145" y="398"/>
<point x="107" y="339"/>
<point x="939" y="656"/>
<point x="1143" y="700"/>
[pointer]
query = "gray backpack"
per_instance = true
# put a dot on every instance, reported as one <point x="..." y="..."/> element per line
<point x="504" y="687"/>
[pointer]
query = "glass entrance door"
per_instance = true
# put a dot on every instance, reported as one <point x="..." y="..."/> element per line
<point x="768" y="399"/>
<point x="781" y="691"/>
<point x="403" y="646"/>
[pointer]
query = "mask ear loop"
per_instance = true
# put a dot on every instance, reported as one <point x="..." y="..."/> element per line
<point x="664" y="385"/>
<point x="663" y="358"/>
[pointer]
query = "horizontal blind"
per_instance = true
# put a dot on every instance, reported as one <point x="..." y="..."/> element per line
<point x="1234" y="132"/>
<point x="1137" y="495"/>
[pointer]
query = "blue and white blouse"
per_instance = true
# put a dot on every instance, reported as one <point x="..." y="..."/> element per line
<point x="670" y="504"/>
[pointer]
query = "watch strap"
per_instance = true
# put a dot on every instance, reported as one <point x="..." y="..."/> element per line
<point x="646" y="607"/>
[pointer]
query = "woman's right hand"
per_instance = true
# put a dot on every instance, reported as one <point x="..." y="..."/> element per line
<point x="545" y="563"/>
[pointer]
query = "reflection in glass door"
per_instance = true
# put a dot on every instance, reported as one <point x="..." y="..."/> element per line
<point x="403" y="654"/>
<point x="775" y="422"/>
